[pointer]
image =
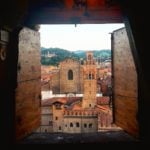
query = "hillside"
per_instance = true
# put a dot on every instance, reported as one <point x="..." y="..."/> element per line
<point x="52" y="56"/>
<point x="103" y="54"/>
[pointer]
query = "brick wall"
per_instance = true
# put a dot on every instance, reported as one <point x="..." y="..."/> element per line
<point x="125" y="83"/>
<point x="28" y="92"/>
<point x="55" y="83"/>
<point x="69" y="86"/>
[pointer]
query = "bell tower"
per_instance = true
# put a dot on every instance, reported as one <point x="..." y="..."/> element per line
<point x="89" y="81"/>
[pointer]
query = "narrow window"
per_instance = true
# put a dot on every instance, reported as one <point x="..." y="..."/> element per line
<point x="71" y="124"/>
<point x="77" y="124"/>
<point x="90" y="125"/>
<point x="70" y="75"/>
<point x="85" y="125"/>
<point x="90" y="76"/>
<point x="56" y="118"/>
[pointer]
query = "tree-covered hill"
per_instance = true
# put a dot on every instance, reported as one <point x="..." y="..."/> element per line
<point x="53" y="56"/>
<point x="102" y="54"/>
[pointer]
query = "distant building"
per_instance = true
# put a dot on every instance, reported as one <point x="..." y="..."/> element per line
<point x="71" y="73"/>
<point x="72" y="114"/>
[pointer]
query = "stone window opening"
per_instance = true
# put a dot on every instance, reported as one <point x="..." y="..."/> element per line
<point x="85" y="125"/>
<point x="90" y="76"/>
<point x="56" y="118"/>
<point x="58" y="106"/>
<point x="90" y="125"/>
<point x="70" y="75"/>
<point x="71" y="124"/>
<point x="59" y="127"/>
<point x="77" y="124"/>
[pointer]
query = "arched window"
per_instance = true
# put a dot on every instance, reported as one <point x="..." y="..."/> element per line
<point x="70" y="75"/>
<point x="85" y="125"/>
<point x="90" y="76"/>
<point x="71" y="124"/>
<point x="90" y="125"/>
<point x="77" y="124"/>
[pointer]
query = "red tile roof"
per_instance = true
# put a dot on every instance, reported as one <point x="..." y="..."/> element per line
<point x="50" y="101"/>
<point x="103" y="100"/>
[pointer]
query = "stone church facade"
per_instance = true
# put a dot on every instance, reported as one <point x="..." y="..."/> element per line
<point x="76" y="115"/>
<point x="69" y="78"/>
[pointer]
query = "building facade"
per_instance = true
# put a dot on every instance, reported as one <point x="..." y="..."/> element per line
<point x="77" y="114"/>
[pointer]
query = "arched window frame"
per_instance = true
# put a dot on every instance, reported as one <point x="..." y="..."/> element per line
<point x="70" y="75"/>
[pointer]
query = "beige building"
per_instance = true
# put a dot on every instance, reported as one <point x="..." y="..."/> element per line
<point x="58" y="116"/>
<point x="73" y="114"/>
<point x="89" y="81"/>
<point x="80" y="121"/>
<point x="46" y="118"/>
<point x="68" y="79"/>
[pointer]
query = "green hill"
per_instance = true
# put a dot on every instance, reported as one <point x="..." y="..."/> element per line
<point x="53" y="56"/>
<point x="102" y="54"/>
<point x="57" y="55"/>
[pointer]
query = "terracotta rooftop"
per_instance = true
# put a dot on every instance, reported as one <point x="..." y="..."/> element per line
<point x="103" y="108"/>
<point x="103" y="100"/>
<point x="72" y="100"/>
<point x="76" y="107"/>
<point x="50" y="101"/>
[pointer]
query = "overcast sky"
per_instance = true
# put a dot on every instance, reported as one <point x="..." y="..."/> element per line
<point x="81" y="37"/>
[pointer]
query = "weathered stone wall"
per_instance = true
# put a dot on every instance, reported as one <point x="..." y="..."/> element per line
<point x="57" y="118"/>
<point x="125" y="83"/>
<point x="69" y="86"/>
<point x="81" y="79"/>
<point x="89" y="82"/>
<point x="104" y="119"/>
<point x="46" y="119"/>
<point x="55" y="83"/>
<point x="89" y="95"/>
<point x="60" y="82"/>
<point x="28" y="92"/>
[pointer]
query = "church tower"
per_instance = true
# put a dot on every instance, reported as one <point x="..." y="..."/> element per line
<point x="89" y="81"/>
